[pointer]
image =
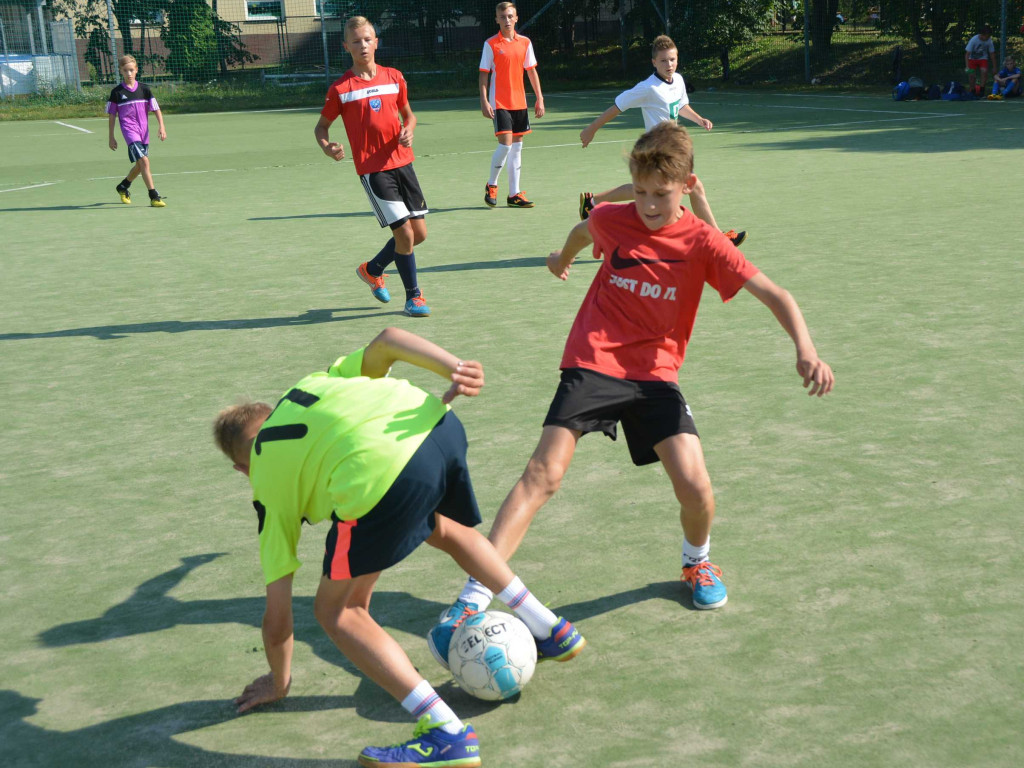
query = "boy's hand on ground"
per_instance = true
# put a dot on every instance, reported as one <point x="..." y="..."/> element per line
<point x="113" y="143"/>
<point x="260" y="691"/>
<point x="467" y="380"/>
<point x="555" y="265"/>
<point x="817" y="375"/>
<point x="335" y="151"/>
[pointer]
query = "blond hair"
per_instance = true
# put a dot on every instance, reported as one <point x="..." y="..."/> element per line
<point x="502" y="6"/>
<point x="232" y="425"/>
<point x="357" y="22"/>
<point x="666" y="150"/>
<point x="125" y="59"/>
<point x="662" y="43"/>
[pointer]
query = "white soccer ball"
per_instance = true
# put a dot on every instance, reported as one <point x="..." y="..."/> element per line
<point x="492" y="655"/>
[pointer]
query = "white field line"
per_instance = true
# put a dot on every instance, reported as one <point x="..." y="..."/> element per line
<point x="68" y="125"/>
<point x="30" y="186"/>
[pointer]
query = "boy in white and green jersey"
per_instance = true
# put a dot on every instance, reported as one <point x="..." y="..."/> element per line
<point x="386" y="462"/>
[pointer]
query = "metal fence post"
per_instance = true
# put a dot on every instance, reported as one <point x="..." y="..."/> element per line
<point x="7" y="63"/>
<point x="323" y="38"/>
<point x="113" y="41"/>
<point x="807" y="43"/>
<point x="1002" y="35"/>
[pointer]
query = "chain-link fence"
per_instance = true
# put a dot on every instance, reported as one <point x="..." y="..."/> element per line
<point x="282" y="42"/>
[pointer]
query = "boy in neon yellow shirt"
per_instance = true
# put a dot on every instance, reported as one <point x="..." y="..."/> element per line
<point x="386" y="462"/>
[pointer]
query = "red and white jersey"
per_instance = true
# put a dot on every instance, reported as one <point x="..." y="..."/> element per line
<point x="370" y="111"/>
<point x="637" y="317"/>
<point x="507" y="61"/>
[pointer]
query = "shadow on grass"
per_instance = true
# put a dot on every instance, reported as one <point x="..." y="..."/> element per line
<point x="673" y="591"/>
<point x="146" y="738"/>
<point x="89" y="207"/>
<point x="350" y="215"/>
<point x="309" y="317"/>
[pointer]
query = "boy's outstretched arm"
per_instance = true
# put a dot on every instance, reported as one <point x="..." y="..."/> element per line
<point x="816" y="372"/>
<point x="560" y="261"/>
<point x="278" y="642"/>
<point x="394" y="344"/>
<point x="691" y="114"/>
<point x="588" y="133"/>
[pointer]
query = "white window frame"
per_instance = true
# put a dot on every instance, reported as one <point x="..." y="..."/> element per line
<point x="327" y="13"/>
<point x="263" y="17"/>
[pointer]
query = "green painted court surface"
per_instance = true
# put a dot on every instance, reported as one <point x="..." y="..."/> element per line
<point x="871" y="541"/>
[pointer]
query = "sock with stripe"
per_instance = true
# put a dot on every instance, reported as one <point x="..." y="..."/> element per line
<point x="515" y="163"/>
<point x="535" y="615"/>
<point x="382" y="260"/>
<point x="498" y="162"/>
<point x="695" y="555"/>
<point x="424" y="701"/>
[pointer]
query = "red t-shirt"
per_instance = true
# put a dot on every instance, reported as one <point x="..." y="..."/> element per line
<point x="637" y="317"/>
<point x="370" y="111"/>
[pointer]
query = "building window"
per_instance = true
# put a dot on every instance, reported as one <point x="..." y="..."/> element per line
<point x="330" y="7"/>
<point x="264" y="10"/>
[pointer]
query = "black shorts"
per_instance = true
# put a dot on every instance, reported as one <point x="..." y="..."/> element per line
<point x="137" y="149"/>
<point x="514" y="121"/>
<point x="650" y="411"/>
<point x="395" y="195"/>
<point x="435" y="479"/>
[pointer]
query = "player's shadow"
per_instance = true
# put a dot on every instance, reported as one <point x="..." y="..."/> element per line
<point x="349" y="215"/>
<point x="150" y="608"/>
<point x="672" y="591"/>
<point x="146" y="738"/>
<point x="89" y="207"/>
<point x="533" y="262"/>
<point x="120" y="331"/>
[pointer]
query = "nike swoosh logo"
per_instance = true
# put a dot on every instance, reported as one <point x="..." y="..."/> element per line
<point x="625" y="262"/>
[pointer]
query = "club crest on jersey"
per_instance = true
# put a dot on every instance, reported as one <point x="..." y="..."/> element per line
<point x="375" y="105"/>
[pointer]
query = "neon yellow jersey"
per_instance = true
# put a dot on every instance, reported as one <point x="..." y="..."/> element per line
<point x="335" y="443"/>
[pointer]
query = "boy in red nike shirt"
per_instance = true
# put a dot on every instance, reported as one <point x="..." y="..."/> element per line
<point x="622" y="358"/>
<point x="373" y="102"/>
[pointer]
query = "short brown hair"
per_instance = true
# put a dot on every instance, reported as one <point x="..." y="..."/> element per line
<point x="125" y="59"/>
<point x="232" y="425"/>
<point x="662" y="43"/>
<point x="666" y="149"/>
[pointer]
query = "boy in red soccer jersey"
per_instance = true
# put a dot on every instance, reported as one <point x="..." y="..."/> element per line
<point x="506" y="56"/>
<point x="372" y="101"/>
<point x="623" y="354"/>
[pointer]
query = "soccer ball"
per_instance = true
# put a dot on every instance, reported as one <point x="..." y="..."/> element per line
<point x="492" y="655"/>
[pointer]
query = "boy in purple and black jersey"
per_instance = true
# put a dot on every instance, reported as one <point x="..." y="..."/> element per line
<point x="130" y="103"/>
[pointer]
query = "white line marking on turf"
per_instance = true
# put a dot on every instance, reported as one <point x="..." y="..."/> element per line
<point x="835" y="125"/>
<point x="68" y="125"/>
<point x="31" y="186"/>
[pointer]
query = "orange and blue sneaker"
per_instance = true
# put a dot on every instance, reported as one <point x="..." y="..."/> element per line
<point x="564" y="643"/>
<point x="518" y="200"/>
<point x="429" y="747"/>
<point x="490" y="195"/>
<point x="706" y="582"/>
<point x="440" y="636"/>
<point x="380" y="293"/>
<point x="736" y="237"/>
<point x="586" y="205"/>
<point x="417" y="307"/>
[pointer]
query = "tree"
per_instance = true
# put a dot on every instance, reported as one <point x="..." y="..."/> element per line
<point x="703" y="29"/>
<point x="191" y="39"/>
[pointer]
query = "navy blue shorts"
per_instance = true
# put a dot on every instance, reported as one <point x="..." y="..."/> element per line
<point x="650" y="411"/>
<point x="136" y="150"/>
<point x="435" y="479"/>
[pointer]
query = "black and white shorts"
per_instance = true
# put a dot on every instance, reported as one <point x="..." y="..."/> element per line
<point x="514" y="121"/>
<point x="395" y="195"/>
<point x="650" y="411"/>
<point x="137" y="149"/>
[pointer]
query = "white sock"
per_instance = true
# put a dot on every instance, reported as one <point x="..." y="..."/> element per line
<point x="424" y="701"/>
<point x="533" y="612"/>
<point x="695" y="555"/>
<point x="498" y="162"/>
<point x="476" y="593"/>
<point x="515" y="163"/>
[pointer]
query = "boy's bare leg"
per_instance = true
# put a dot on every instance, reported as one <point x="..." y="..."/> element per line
<point x="538" y="483"/>
<point x="474" y="554"/>
<point x="699" y="205"/>
<point x="343" y="609"/>
<point x="683" y="459"/>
